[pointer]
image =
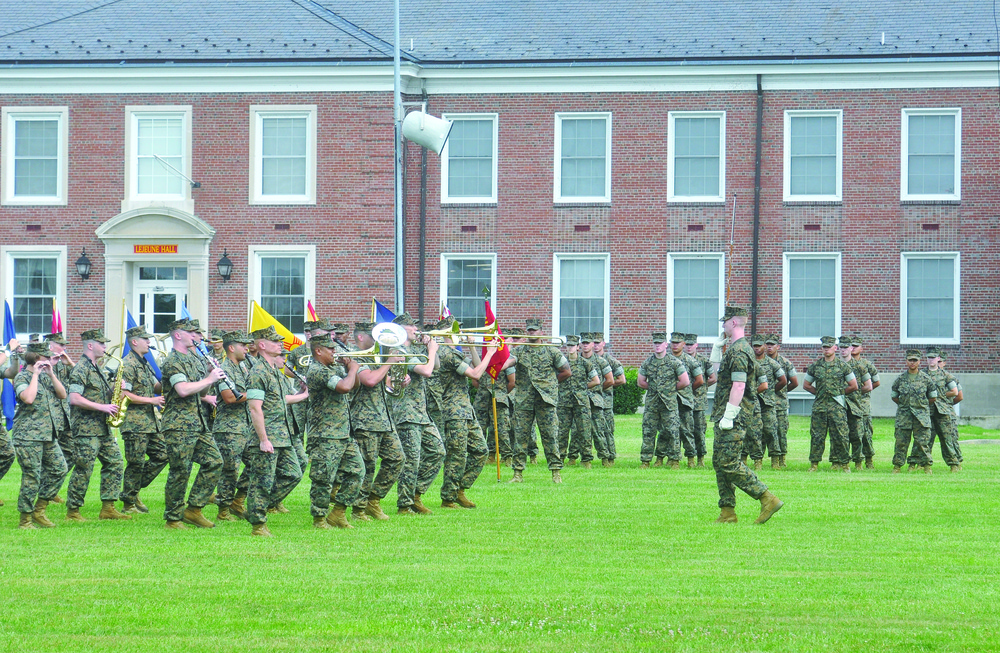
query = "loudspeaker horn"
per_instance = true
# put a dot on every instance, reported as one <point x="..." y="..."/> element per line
<point x="426" y="130"/>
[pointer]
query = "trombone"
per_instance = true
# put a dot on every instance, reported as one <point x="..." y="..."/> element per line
<point x="385" y="334"/>
<point x="487" y="333"/>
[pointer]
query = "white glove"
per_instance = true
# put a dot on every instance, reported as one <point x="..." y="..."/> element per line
<point x="716" y="355"/>
<point x="726" y="423"/>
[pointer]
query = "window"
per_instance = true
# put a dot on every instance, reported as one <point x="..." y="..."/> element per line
<point x="582" y="157"/>
<point x="696" y="156"/>
<point x="695" y="294"/>
<point x="469" y="160"/>
<point x="581" y="291"/>
<point x="35" y="162"/>
<point x="929" y="298"/>
<point x="811" y="297"/>
<point x="931" y="154"/>
<point x="463" y="277"/>
<point x="283" y="155"/>
<point x="158" y="149"/>
<point x="33" y="278"/>
<point x="813" y="156"/>
<point x="283" y="280"/>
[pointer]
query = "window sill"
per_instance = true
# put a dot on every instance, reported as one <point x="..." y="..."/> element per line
<point x="572" y="205"/>
<point x="943" y="202"/>
<point x="830" y="202"/>
<point x="469" y="205"/>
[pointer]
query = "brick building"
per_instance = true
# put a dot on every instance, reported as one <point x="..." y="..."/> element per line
<point x="591" y="178"/>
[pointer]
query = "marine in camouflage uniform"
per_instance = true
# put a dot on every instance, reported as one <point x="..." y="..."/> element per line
<point x="855" y="412"/>
<point x="829" y="378"/>
<point x="660" y="375"/>
<point x="186" y="432"/>
<point x="600" y="430"/>
<point x="539" y="370"/>
<point x="39" y="397"/>
<point x="271" y="461"/>
<point x="957" y="399"/>
<point x="943" y="416"/>
<point x="700" y="397"/>
<point x="299" y="410"/>
<point x="531" y="451"/>
<point x="773" y="343"/>
<point x="618" y="374"/>
<point x="865" y="401"/>
<point x="207" y="405"/>
<point x="64" y="367"/>
<point x="483" y="407"/>
<point x="433" y="393"/>
<point x="90" y="395"/>
<point x="574" y="404"/>
<point x="334" y="455"/>
<point x="8" y="365"/>
<point x="738" y="365"/>
<point x="913" y="392"/>
<point x="768" y="399"/>
<point x="231" y="430"/>
<point x="685" y="398"/>
<point x="145" y="449"/>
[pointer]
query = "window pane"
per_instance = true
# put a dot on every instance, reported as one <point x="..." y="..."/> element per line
<point x="812" y="297"/>
<point x="470" y="159"/>
<point x="583" y="152"/>
<point x="931" y="154"/>
<point x="581" y="295"/>
<point x="283" y="155"/>
<point x="697" y="148"/>
<point x="465" y="283"/>
<point x="282" y="294"/>
<point x="813" y="155"/>
<point x="36" y="158"/>
<point x="35" y="283"/>
<point x="159" y="146"/>
<point x="930" y="298"/>
<point x="696" y="296"/>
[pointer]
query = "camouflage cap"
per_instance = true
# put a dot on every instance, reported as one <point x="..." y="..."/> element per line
<point x="515" y="331"/>
<point x="733" y="311"/>
<point x="40" y="348"/>
<point x="341" y="327"/>
<point x="933" y="352"/>
<point x="323" y="324"/>
<point x="180" y="325"/>
<point x="586" y="336"/>
<point x="857" y="341"/>
<point x="659" y="336"/>
<point x="321" y="340"/>
<point x="404" y="319"/>
<point x="94" y="334"/>
<point x="690" y="338"/>
<point x="828" y="341"/>
<point x="56" y="337"/>
<point x="913" y="355"/>
<point x="267" y="334"/>
<point x="757" y="340"/>
<point x="943" y="354"/>
<point x="429" y="326"/>
<point x="533" y="324"/>
<point x="676" y="336"/>
<point x="239" y="337"/>
<point x="772" y="339"/>
<point x="572" y="341"/>
<point x="846" y="341"/>
<point x="443" y="323"/>
<point x="195" y="325"/>
<point x="365" y="327"/>
<point x="137" y="332"/>
<point x="309" y="325"/>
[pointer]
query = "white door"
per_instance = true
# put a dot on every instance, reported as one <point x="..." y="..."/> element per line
<point x="160" y="293"/>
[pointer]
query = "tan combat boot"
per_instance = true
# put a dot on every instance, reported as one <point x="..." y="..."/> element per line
<point x="846" y="468"/>
<point x="505" y="462"/>
<point x="758" y="465"/>
<point x="607" y="463"/>
<point x="911" y="467"/>
<point x="674" y="464"/>
<point x="586" y="465"/>
<point x="492" y="460"/>
<point x="570" y="462"/>
<point x="73" y="514"/>
<point x="927" y="469"/>
<point x="55" y="499"/>
<point x="857" y="466"/>
<point x="374" y="510"/>
<point x="225" y="514"/>
<point x="450" y="505"/>
<point x="260" y="530"/>
<point x="140" y="506"/>
<point x="239" y="506"/>
<point x="659" y="462"/>
<point x="814" y="467"/>
<point x="834" y="467"/>
<point x="556" y="476"/>
<point x="176" y="525"/>
<point x="896" y="469"/>
<point x="644" y="465"/>
<point x="108" y="511"/>
<point x="783" y="461"/>
<point x="338" y="516"/>
<point x="869" y="464"/>
<point x="701" y="461"/>
<point x="464" y="500"/>
<point x="213" y="498"/>
<point x="419" y="506"/>
<point x="518" y="477"/>
<point x="533" y="460"/>
<point x="359" y="514"/>
<point x="321" y="523"/>
<point x="769" y="504"/>
<point x="25" y="521"/>
<point x="281" y="508"/>
<point x="194" y="517"/>
<point x="955" y="468"/>
<point x="727" y="516"/>
<point x="775" y="462"/>
<point x="407" y="510"/>
<point x="129" y="508"/>
<point x="690" y="462"/>
<point x="39" y="517"/>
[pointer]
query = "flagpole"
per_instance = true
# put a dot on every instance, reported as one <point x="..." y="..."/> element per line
<point x="123" y="326"/>
<point x="496" y="434"/>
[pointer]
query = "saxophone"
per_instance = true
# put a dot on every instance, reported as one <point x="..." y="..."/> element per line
<point x="118" y="397"/>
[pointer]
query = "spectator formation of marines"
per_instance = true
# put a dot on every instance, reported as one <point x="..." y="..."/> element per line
<point x="363" y="424"/>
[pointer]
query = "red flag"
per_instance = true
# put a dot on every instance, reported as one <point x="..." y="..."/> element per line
<point x="310" y="312"/>
<point x="503" y="352"/>
<point x="56" y="318"/>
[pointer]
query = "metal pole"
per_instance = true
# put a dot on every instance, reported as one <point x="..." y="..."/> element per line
<point x="397" y="115"/>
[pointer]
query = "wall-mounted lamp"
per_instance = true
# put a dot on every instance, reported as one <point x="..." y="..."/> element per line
<point x="83" y="265"/>
<point x="225" y="266"/>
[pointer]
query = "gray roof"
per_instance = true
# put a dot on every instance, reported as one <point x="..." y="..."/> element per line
<point x="509" y="32"/>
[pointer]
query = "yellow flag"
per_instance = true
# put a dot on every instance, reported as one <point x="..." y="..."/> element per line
<point x="261" y="319"/>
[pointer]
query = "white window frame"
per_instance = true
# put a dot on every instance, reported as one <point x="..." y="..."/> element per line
<point x="256" y="252"/>
<point x="490" y="199"/>
<point x="133" y="200"/>
<point x="838" y="195"/>
<point x="257" y="115"/>
<point x="904" y="338"/>
<point x="557" y="196"/>
<point x="467" y="256"/>
<point x="10" y="115"/>
<point x="671" y="150"/>
<point x="58" y="252"/>
<point x="673" y="257"/>
<point x="785" y="300"/>
<point x="904" y="191"/>
<point x="557" y="258"/>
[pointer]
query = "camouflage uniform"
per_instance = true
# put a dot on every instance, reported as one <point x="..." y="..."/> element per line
<point x="145" y="450"/>
<point x="768" y="401"/>
<point x="686" y="404"/>
<point x="781" y="407"/>
<point x="433" y="393"/>
<point x="829" y="412"/>
<point x="752" y="442"/>
<point x="43" y="468"/>
<point x="700" y="406"/>
<point x="536" y="400"/>
<point x="423" y="447"/>
<point x="865" y="403"/>
<point x="187" y="437"/>
<point x="943" y="418"/>
<point x="574" y="410"/>
<point x="334" y="455"/>
<point x="609" y="405"/>
<point x="464" y="443"/>
<point x="296" y="420"/>
<point x="7" y="453"/>
<point x="738" y="366"/>
<point x="659" y="414"/>
<point x="600" y="430"/>
<point x="64" y="432"/>
<point x="91" y="439"/>
<point x="376" y="438"/>
<point x="488" y="389"/>
<point x="914" y="393"/>
<point x="272" y="474"/>
<point x="856" y="410"/>
<point x="232" y="431"/>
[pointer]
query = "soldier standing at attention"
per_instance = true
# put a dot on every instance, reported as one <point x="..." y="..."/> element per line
<point x="773" y="343"/>
<point x="600" y="430"/>
<point x="63" y="365"/>
<point x="90" y="397"/>
<point x="271" y="461"/>
<point x="232" y="429"/>
<point x="8" y="369"/>
<point x="145" y="450"/>
<point x="337" y="469"/>
<point x="574" y="404"/>
<point x="661" y="376"/>
<point x="829" y="378"/>
<point x="752" y="440"/>
<point x="855" y="411"/>
<point x="768" y="399"/>
<point x="618" y="374"/>
<point x="943" y="414"/>
<point x="700" y="397"/>
<point x="218" y="350"/>
<point x="539" y="372"/>
<point x="43" y="468"/>
<point x="865" y="401"/>
<point x="186" y="432"/>
<point x="734" y="400"/>
<point x="913" y="392"/>
<point x="516" y="339"/>
<point x="685" y="399"/>
<point x="957" y="399"/>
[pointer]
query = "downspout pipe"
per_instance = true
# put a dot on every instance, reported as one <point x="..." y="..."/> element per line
<point x="423" y="230"/>
<point x="758" y="142"/>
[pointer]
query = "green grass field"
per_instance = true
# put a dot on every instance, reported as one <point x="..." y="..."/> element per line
<point x="611" y="560"/>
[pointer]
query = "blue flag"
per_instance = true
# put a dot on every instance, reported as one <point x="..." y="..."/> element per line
<point x="185" y="313"/>
<point x="9" y="400"/>
<point x="130" y="324"/>
<point x="380" y="313"/>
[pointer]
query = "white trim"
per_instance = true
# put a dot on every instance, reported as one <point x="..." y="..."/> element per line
<point x="838" y="297"/>
<point x="256" y="252"/>
<point x="904" y="191"/>
<point x="10" y="115"/>
<point x="467" y="256"/>
<point x="557" y="258"/>
<point x="490" y="199"/>
<point x="671" y="132"/>
<point x="132" y="199"/>
<point x="671" y="259"/>
<point x="9" y="252"/>
<point x="904" y="338"/>
<point x="838" y="194"/>
<point x="557" y="195"/>
<point x="258" y="112"/>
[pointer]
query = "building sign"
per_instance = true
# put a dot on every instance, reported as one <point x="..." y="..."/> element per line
<point x="155" y="249"/>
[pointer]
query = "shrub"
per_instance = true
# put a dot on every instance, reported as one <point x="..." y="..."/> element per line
<point x="628" y="397"/>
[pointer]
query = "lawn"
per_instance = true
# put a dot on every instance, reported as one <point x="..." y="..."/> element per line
<point x="611" y="560"/>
